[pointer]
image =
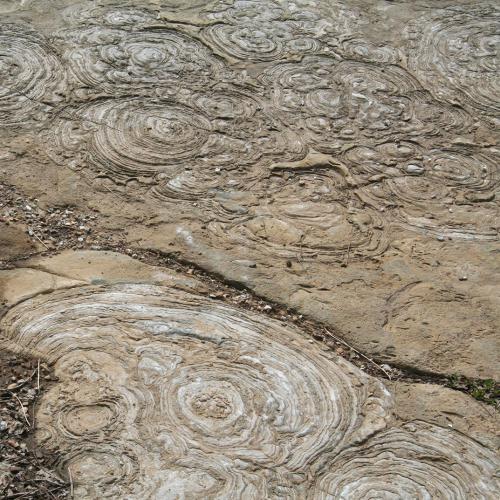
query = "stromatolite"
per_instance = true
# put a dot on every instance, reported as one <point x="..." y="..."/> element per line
<point x="185" y="145"/>
<point x="310" y="216"/>
<point x="435" y="190"/>
<point x="336" y="103"/>
<point x="29" y="75"/>
<point x="162" y="389"/>
<point x="113" y="60"/>
<point x="454" y="52"/>
<point x="418" y="460"/>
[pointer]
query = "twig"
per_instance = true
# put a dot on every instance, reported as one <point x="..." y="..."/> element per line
<point x="70" y="483"/>
<point x="346" y="261"/>
<point x="38" y="377"/>
<point x="338" y="339"/>
<point x="18" y="495"/>
<point x="34" y="234"/>
<point x="22" y="408"/>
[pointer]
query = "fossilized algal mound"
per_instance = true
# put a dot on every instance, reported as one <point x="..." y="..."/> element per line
<point x="163" y="393"/>
<point x="161" y="388"/>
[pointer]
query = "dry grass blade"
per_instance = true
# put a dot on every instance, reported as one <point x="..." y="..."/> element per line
<point x="22" y="409"/>
<point x="338" y="339"/>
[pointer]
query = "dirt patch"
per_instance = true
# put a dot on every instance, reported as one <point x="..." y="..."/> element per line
<point x="25" y="471"/>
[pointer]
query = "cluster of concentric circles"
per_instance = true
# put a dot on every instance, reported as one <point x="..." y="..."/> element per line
<point x="262" y="31"/>
<point x="310" y="216"/>
<point x="114" y="60"/>
<point x="455" y="53"/>
<point x="258" y="42"/>
<point x="131" y="137"/>
<point x="123" y="16"/>
<point x="185" y="147"/>
<point x="28" y="72"/>
<point x="433" y="189"/>
<point x="159" y="385"/>
<point x="339" y="102"/>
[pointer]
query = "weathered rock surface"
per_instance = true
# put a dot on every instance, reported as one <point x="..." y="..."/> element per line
<point x="353" y="161"/>
<point x="340" y="158"/>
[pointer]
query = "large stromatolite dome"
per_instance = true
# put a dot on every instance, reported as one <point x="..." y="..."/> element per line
<point x="419" y="461"/>
<point x="29" y="72"/>
<point x="161" y="389"/>
<point x="128" y="138"/>
<point x="454" y="52"/>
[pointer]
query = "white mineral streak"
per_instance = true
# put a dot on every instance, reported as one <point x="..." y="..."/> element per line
<point x="164" y="393"/>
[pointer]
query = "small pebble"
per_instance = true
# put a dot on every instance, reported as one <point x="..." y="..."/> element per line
<point x="414" y="169"/>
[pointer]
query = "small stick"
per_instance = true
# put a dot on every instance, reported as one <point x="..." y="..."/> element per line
<point x="70" y="483"/>
<point x="338" y="339"/>
<point x="346" y="261"/>
<point x="38" y="377"/>
<point x="34" y="234"/>
<point x="22" y="408"/>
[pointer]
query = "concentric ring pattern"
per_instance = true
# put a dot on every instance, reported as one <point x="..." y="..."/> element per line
<point x="29" y="75"/>
<point x="311" y="216"/>
<point x="115" y="60"/>
<point x="219" y="401"/>
<point x="454" y="52"/>
<point x="263" y="31"/>
<point x="418" y="460"/>
<point x="434" y="190"/>
<point x="185" y="146"/>
<point x="335" y="103"/>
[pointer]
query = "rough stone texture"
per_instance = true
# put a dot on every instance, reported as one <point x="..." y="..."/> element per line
<point x="347" y="149"/>
<point x="446" y="408"/>
<point x="14" y="241"/>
